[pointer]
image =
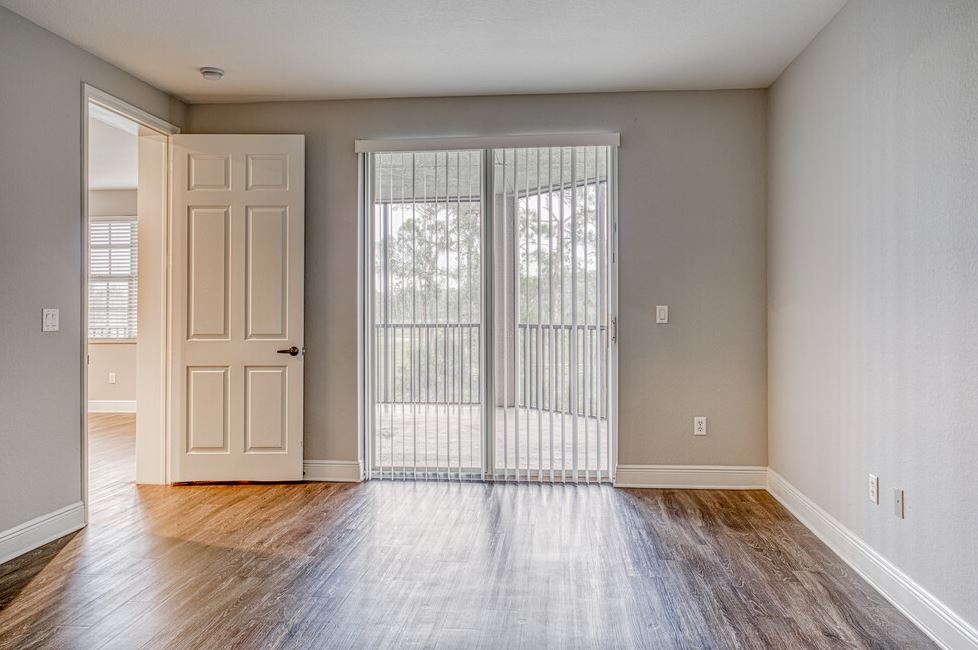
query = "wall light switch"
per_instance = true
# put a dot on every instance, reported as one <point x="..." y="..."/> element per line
<point x="111" y="377"/>
<point x="661" y="314"/>
<point x="699" y="426"/>
<point x="50" y="319"/>
<point x="874" y="488"/>
<point x="898" y="503"/>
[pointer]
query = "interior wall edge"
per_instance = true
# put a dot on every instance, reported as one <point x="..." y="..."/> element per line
<point x="925" y="610"/>
<point x="39" y="531"/>
<point x="41" y="176"/>
<point x="872" y="362"/>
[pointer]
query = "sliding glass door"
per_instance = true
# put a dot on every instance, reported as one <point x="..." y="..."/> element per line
<point x="488" y="287"/>
<point x="426" y="332"/>
<point x="552" y="248"/>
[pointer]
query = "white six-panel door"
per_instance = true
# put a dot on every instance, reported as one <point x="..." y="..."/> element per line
<point x="236" y="300"/>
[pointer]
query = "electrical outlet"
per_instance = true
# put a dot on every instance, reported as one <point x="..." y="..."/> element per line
<point x="874" y="488"/>
<point x="661" y="314"/>
<point x="699" y="426"/>
<point x="899" y="508"/>
<point x="111" y="377"/>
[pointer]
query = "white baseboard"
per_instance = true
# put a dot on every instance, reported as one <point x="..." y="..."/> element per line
<point x="111" y="406"/>
<point x="341" y="471"/>
<point x="945" y="627"/>
<point x="692" y="477"/>
<point x="41" y="530"/>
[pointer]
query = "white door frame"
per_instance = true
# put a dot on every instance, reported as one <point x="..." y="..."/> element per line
<point x="92" y="95"/>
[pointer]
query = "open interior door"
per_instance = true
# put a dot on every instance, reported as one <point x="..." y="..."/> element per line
<point x="236" y="308"/>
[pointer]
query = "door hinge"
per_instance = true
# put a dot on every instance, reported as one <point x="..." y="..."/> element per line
<point x="614" y="330"/>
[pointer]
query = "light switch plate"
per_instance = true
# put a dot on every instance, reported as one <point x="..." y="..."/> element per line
<point x="50" y="319"/>
<point x="661" y="314"/>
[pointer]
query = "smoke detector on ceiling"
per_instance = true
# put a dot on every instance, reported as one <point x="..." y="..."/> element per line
<point x="211" y="74"/>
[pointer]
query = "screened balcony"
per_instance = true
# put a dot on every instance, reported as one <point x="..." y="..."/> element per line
<point x="434" y="428"/>
<point x="548" y="344"/>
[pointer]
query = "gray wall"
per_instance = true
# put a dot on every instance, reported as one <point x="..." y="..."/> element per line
<point x="873" y="276"/>
<point x="40" y="259"/>
<point x="692" y="204"/>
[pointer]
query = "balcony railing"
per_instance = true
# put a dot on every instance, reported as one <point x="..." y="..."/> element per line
<point x="439" y="363"/>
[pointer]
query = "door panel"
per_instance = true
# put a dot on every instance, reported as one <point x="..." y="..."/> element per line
<point x="208" y="172"/>
<point x="266" y="272"/>
<point x="237" y="297"/>
<point x="208" y="273"/>
<point x="207" y="410"/>
<point x="266" y="396"/>
<point x="268" y="172"/>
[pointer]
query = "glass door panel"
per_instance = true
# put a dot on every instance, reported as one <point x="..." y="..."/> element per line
<point x="427" y="315"/>
<point x="551" y="288"/>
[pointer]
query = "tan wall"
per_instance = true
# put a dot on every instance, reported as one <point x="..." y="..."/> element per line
<point x="873" y="301"/>
<point x="40" y="259"/>
<point x="692" y="204"/>
<point x="119" y="358"/>
<point x="112" y="203"/>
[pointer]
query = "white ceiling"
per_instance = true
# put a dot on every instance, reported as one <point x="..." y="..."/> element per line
<point x="326" y="49"/>
<point x="113" y="151"/>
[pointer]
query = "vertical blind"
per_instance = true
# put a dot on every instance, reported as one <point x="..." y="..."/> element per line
<point x="553" y="251"/>
<point x="427" y="338"/>
<point x="112" y="282"/>
<point x="543" y="217"/>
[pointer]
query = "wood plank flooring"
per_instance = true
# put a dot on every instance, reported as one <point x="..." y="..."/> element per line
<point x="433" y="565"/>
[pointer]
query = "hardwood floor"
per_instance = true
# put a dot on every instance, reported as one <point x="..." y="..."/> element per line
<point x="446" y="565"/>
<point x="111" y="456"/>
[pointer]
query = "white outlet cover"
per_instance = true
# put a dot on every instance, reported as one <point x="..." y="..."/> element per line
<point x="699" y="426"/>
<point x="899" y="505"/>
<point x="50" y="319"/>
<point x="874" y="488"/>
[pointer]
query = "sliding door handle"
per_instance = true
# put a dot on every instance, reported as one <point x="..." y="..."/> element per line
<point x="293" y="351"/>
